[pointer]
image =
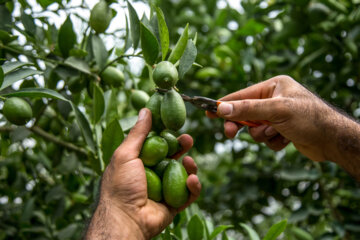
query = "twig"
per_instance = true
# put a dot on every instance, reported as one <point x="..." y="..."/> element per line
<point x="117" y="59"/>
<point x="37" y="130"/>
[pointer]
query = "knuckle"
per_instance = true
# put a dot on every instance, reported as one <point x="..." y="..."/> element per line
<point x="284" y="78"/>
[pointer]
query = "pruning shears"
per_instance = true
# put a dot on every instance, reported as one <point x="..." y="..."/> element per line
<point x="211" y="105"/>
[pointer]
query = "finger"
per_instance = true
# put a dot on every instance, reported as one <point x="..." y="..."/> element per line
<point x="186" y="142"/>
<point x="277" y="143"/>
<point x="194" y="187"/>
<point x="189" y="165"/>
<point x="132" y="145"/>
<point x="262" y="133"/>
<point x="211" y="114"/>
<point x="258" y="91"/>
<point x="231" y="129"/>
<point x="253" y="109"/>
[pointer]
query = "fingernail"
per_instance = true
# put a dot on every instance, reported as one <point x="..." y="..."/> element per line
<point x="142" y="114"/>
<point x="225" y="109"/>
<point x="270" y="131"/>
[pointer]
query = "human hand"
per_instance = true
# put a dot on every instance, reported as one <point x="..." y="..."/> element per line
<point x="124" y="210"/>
<point x="294" y="113"/>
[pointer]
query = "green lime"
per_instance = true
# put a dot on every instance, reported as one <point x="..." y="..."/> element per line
<point x="175" y="189"/>
<point x="154" y="150"/>
<point x="165" y="75"/>
<point x="17" y="111"/>
<point x="56" y="126"/>
<point x="154" y="105"/>
<point x="154" y="186"/>
<point x="172" y="141"/>
<point x="161" y="166"/>
<point x="139" y="99"/>
<point x="173" y="111"/>
<point x="113" y="76"/>
<point x="100" y="17"/>
<point x="151" y="134"/>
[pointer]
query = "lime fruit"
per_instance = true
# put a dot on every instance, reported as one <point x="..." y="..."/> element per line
<point x="165" y="75"/>
<point x="154" y="186"/>
<point x="113" y="76"/>
<point x="100" y="17"/>
<point x="139" y="99"/>
<point x="154" y="150"/>
<point x="173" y="111"/>
<point x="17" y="111"/>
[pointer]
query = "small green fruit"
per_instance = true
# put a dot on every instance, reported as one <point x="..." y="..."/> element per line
<point x="154" y="150"/>
<point x="139" y="99"/>
<point x="175" y="190"/>
<point x="113" y="76"/>
<point x="154" y="186"/>
<point x="173" y="111"/>
<point x="172" y="141"/>
<point x="154" y="105"/>
<point x="165" y="75"/>
<point x="161" y="166"/>
<point x="100" y="17"/>
<point x="17" y="111"/>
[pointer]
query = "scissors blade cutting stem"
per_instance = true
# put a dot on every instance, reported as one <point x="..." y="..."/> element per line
<point x="210" y="105"/>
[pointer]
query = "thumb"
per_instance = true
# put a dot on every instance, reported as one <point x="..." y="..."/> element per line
<point x="250" y="109"/>
<point x="132" y="145"/>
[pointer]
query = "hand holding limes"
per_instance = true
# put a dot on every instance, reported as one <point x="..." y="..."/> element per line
<point x="124" y="193"/>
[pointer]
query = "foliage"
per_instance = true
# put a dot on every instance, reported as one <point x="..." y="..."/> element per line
<point x="50" y="167"/>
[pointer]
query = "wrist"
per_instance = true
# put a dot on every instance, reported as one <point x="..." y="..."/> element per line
<point x="112" y="222"/>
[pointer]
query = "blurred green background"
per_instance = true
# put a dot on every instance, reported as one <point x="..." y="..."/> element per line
<point x="47" y="191"/>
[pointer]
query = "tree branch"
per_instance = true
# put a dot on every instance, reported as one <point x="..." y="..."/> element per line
<point x="37" y="130"/>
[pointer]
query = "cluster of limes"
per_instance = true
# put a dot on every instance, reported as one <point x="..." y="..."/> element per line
<point x="166" y="177"/>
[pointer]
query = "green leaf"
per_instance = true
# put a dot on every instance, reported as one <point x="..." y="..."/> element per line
<point x="218" y="230"/>
<point x="28" y="210"/>
<point x="68" y="232"/>
<point x="98" y="103"/>
<point x="55" y="193"/>
<point x="128" y="40"/>
<point x="1" y="75"/>
<point x="112" y="138"/>
<point x="195" y="228"/>
<point x="275" y="230"/>
<point x="149" y="45"/>
<point x="301" y="234"/>
<point x="134" y="25"/>
<point x="128" y="122"/>
<point x="66" y="37"/>
<point x="35" y="93"/>
<point x="85" y="127"/>
<point x="5" y="18"/>
<point x="252" y="234"/>
<point x="11" y="66"/>
<point x="18" y="75"/>
<point x="187" y="59"/>
<point x="99" y="51"/>
<point x="78" y="64"/>
<point x="111" y="111"/>
<point x="251" y="27"/>
<point x="163" y="32"/>
<point x="180" y="46"/>
<point x="28" y="23"/>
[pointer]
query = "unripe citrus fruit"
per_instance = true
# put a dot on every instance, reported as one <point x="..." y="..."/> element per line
<point x="139" y="99"/>
<point x="154" y="186"/>
<point x="165" y="75"/>
<point x="17" y="111"/>
<point x="172" y="141"/>
<point x="153" y="151"/>
<point x="161" y="166"/>
<point x="100" y="17"/>
<point x="113" y="76"/>
<point x="175" y="190"/>
<point x="173" y="111"/>
<point x="154" y="105"/>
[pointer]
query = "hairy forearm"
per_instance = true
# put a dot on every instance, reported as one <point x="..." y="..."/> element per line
<point x="344" y="147"/>
<point x="110" y="223"/>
